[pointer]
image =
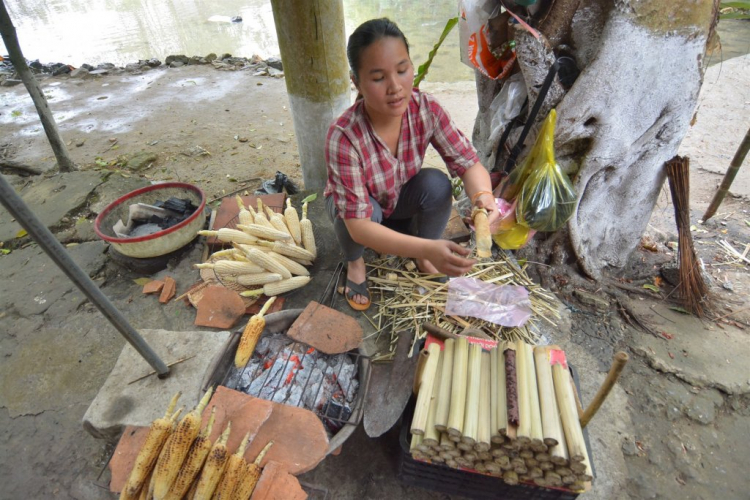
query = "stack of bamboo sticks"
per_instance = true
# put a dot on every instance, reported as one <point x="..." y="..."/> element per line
<point x="509" y="411"/>
<point x="407" y="299"/>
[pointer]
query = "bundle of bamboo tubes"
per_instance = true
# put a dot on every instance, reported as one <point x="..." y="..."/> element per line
<point x="507" y="411"/>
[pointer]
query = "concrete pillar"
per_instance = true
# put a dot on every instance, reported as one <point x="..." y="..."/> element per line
<point x="313" y="51"/>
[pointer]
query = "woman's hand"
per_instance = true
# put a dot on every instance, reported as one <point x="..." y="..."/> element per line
<point x="448" y="257"/>
<point x="487" y="201"/>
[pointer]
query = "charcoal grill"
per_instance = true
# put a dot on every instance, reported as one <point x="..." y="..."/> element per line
<point x="221" y="367"/>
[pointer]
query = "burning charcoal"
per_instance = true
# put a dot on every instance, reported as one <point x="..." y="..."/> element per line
<point x="350" y="389"/>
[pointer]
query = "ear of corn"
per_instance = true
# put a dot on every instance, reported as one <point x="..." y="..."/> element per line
<point x="250" y="476"/>
<point x="258" y="279"/>
<point x="308" y="239"/>
<point x="232" y="472"/>
<point x="157" y="435"/>
<point x="483" y="236"/>
<point x="295" y="268"/>
<point x="277" y="221"/>
<point x="267" y="262"/>
<point x="227" y="253"/>
<point x="266" y="233"/>
<point x="147" y="492"/>
<point x="168" y="465"/>
<point x="213" y="468"/>
<point x="193" y="462"/>
<point x="250" y="336"/>
<point x="228" y="235"/>
<point x="231" y="268"/>
<point x="288" y="250"/>
<point x="292" y="222"/>
<point x="279" y="287"/>
<point x="245" y="217"/>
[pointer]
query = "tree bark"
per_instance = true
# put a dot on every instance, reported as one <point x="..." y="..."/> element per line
<point x="8" y="32"/>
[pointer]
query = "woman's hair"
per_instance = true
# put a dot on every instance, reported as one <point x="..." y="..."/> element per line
<point x="366" y="34"/>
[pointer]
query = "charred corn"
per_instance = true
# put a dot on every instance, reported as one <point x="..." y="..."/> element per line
<point x="288" y="250"/>
<point x="193" y="462"/>
<point x="213" y="468"/>
<point x="168" y="465"/>
<point x="258" y="231"/>
<point x="232" y="472"/>
<point x="267" y="262"/>
<point x="157" y="435"/>
<point x="245" y="217"/>
<point x="279" y="287"/>
<point x="308" y="239"/>
<point x="250" y="476"/>
<point x="250" y="335"/>
<point x="231" y="267"/>
<point x="258" y="279"/>
<point x="292" y="222"/>
<point x="147" y="492"/>
<point x="295" y="268"/>
<point x="228" y="235"/>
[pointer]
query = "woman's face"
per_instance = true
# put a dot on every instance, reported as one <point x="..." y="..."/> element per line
<point x="385" y="78"/>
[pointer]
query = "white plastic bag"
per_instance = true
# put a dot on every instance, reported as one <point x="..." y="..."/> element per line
<point x="504" y="305"/>
<point x="506" y="105"/>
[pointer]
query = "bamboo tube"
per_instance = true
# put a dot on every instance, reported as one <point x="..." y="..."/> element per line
<point x="526" y="454"/>
<point x="531" y="462"/>
<point x="431" y="434"/>
<point x="542" y="457"/>
<point x="445" y="443"/>
<point x="479" y="467"/>
<point x="568" y="413"/>
<point x="471" y="414"/>
<point x="503" y="462"/>
<point x="553" y="479"/>
<point x="535" y="472"/>
<point x="437" y="459"/>
<point x="551" y="423"/>
<point x="519" y="465"/>
<point x="484" y="455"/>
<point x="523" y="433"/>
<point x="444" y="392"/>
<point x="499" y="452"/>
<point x="495" y="435"/>
<point x="470" y="456"/>
<point x="546" y="465"/>
<point x="464" y="446"/>
<point x="566" y="480"/>
<point x="421" y="362"/>
<point x="456" y="438"/>
<point x="536" y="416"/>
<point x="415" y="442"/>
<point x="510" y="478"/>
<point x="484" y="427"/>
<point x="458" y="387"/>
<point x="422" y="408"/>
<point x="502" y="402"/>
<point x="462" y="462"/>
<point x="452" y="464"/>
<point x="492" y="467"/>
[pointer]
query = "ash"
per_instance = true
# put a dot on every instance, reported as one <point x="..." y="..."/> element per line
<point x="288" y="372"/>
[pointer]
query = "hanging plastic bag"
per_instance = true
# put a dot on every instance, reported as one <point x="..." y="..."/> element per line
<point x="508" y="233"/>
<point x="547" y="199"/>
<point x="506" y="105"/>
<point x="474" y="35"/>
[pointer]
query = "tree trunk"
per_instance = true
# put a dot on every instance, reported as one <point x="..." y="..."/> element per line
<point x="8" y="32"/>
<point x="627" y="112"/>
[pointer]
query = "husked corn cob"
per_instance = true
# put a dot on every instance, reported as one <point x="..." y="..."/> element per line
<point x="308" y="239"/>
<point x="288" y="250"/>
<point x="193" y="462"/>
<point x="258" y="279"/>
<point x="231" y="267"/>
<point x="294" y="267"/>
<point x="243" y="249"/>
<point x="227" y="253"/>
<point x="279" y="287"/>
<point x="239" y="256"/>
<point x="232" y="472"/>
<point x="277" y="221"/>
<point x="260" y="216"/>
<point x="158" y="433"/>
<point x="250" y="335"/>
<point x="228" y="235"/>
<point x="213" y="468"/>
<point x="250" y="476"/>
<point x="262" y="232"/>
<point x="292" y="222"/>
<point x="266" y="261"/>
<point x="168" y="465"/>
<point x="245" y="216"/>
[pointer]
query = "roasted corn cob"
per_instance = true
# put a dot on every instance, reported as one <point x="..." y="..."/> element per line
<point x="294" y="267"/>
<point x="228" y="235"/>
<point x="308" y="239"/>
<point x="245" y="217"/>
<point x="250" y="335"/>
<point x="213" y="468"/>
<point x="292" y="222"/>
<point x="168" y="465"/>
<point x="231" y="267"/>
<point x="267" y="262"/>
<point x="288" y="250"/>
<point x="262" y="232"/>
<point x="232" y="472"/>
<point x="250" y="476"/>
<point x="279" y="287"/>
<point x="193" y="462"/>
<point x="160" y="430"/>
<point x="258" y="279"/>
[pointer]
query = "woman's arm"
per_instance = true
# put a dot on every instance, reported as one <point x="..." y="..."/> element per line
<point x="441" y="253"/>
<point x="479" y="189"/>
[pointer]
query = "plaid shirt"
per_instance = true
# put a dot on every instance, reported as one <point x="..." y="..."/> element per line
<point x="360" y="164"/>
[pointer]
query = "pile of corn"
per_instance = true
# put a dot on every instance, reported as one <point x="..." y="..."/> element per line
<point x="269" y="250"/>
<point x="178" y="460"/>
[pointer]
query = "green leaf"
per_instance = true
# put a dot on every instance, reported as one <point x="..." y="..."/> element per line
<point x="142" y="281"/>
<point x="653" y="288"/>
<point x="21" y="233"/>
<point x="424" y="68"/>
<point x="15" y="113"/>
<point x="744" y="4"/>
<point x="735" y="15"/>
<point x="4" y="251"/>
<point x="680" y="310"/>
<point x="310" y="198"/>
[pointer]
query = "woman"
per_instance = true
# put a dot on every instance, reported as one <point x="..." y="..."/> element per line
<point x="374" y="153"/>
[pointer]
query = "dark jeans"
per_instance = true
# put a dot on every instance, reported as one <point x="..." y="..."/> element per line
<point x="424" y="204"/>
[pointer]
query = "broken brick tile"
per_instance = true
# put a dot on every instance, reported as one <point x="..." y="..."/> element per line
<point x="326" y="329"/>
<point x="168" y="291"/>
<point x="124" y="456"/>
<point x="219" y="308"/>
<point x="276" y="483"/>
<point x="246" y="413"/>
<point x="153" y="286"/>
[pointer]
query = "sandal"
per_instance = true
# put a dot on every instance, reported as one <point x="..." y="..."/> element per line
<point x="357" y="289"/>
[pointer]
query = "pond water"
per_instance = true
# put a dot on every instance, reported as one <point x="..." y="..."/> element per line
<point x="124" y="31"/>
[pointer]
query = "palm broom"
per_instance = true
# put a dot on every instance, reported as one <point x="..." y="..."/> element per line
<point x="691" y="289"/>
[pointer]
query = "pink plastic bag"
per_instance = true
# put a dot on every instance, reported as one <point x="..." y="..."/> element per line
<point x="504" y="305"/>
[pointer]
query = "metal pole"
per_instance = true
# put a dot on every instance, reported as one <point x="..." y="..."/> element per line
<point x="16" y="206"/>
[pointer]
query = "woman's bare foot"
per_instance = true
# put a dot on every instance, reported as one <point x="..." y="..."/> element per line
<point x="357" y="272"/>
<point x="426" y="267"/>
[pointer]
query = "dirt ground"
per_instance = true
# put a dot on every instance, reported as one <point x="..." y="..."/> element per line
<point x="225" y="131"/>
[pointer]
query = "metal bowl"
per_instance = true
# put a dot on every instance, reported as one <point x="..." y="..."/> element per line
<point x="161" y="242"/>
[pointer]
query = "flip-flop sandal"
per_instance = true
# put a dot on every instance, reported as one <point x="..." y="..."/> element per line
<point x="357" y="289"/>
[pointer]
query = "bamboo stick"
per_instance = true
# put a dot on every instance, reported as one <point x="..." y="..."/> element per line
<point x="431" y="434"/>
<point x="568" y="414"/>
<point x="458" y="388"/>
<point x="523" y="433"/>
<point x="419" y="423"/>
<point x="471" y="415"/>
<point x="483" y="426"/>
<point x="444" y="394"/>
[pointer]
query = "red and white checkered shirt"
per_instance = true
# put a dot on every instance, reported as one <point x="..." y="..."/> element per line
<point x="360" y="164"/>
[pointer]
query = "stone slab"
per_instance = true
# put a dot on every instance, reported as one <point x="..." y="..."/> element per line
<point x="277" y="484"/>
<point x="688" y="348"/>
<point x="121" y="403"/>
<point x="51" y="199"/>
<point x="326" y="329"/>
